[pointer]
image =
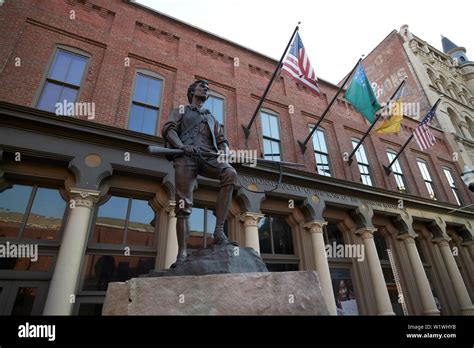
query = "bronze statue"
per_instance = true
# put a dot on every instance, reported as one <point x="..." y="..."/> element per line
<point x="194" y="129"/>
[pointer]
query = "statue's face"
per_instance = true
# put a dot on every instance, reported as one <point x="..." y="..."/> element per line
<point x="201" y="91"/>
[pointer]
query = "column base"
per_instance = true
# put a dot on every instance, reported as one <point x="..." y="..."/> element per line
<point x="386" y="313"/>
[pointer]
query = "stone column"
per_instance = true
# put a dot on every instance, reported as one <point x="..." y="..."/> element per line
<point x="470" y="246"/>
<point x="171" y="239"/>
<point x="315" y="228"/>
<point x="453" y="271"/>
<point x="250" y="221"/>
<point x="382" y="299"/>
<point x="426" y="295"/>
<point x="62" y="290"/>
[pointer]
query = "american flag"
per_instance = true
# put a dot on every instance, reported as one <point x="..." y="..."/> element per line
<point x="299" y="68"/>
<point x="423" y="136"/>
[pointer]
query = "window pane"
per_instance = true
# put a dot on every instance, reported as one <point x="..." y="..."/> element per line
<point x="110" y="223"/>
<point x="24" y="301"/>
<point x="147" y="90"/>
<point x="267" y="147"/>
<point x="333" y="235"/>
<point x="196" y="226"/>
<point x="68" y="95"/>
<point x="381" y="246"/>
<point x="218" y="110"/>
<point x="211" y="221"/>
<point x="141" y="225"/>
<point x="60" y="66"/>
<point x="149" y="121"/>
<point x="49" y="97"/>
<point x="141" y="87"/>
<point x="154" y="92"/>
<point x="136" y="118"/>
<point x="46" y="217"/>
<point x="282" y="238"/>
<point x="42" y="264"/>
<point x="103" y="269"/>
<point x="13" y="203"/>
<point x="274" y="127"/>
<point x="76" y="70"/>
<point x="266" y="125"/>
<point x="264" y="235"/>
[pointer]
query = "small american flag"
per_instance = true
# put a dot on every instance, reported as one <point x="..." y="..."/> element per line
<point x="299" y="68"/>
<point x="423" y="135"/>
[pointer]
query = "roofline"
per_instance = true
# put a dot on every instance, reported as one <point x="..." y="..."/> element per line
<point x="237" y="45"/>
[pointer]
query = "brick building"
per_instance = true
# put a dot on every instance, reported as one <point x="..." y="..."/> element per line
<point x="82" y="186"/>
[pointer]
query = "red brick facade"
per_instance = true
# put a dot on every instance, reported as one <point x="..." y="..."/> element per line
<point x="121" y="37"/>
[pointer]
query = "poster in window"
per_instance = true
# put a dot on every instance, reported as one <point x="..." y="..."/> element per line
<point x="344" y="295"/>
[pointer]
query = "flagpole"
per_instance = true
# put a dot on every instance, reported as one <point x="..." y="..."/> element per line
<point x="304" y="143"/>
<point x="388" y="169"/>
<point x="247" y="128"/>
<point x="349" y="160"/>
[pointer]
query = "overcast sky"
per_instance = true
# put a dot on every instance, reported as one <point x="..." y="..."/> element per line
<point x="335" y="32"/>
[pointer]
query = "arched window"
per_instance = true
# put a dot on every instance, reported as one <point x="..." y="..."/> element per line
<point x="432" y="77"/>
<point x="397" y="172"/>
<point x="63" y="82"/>
<point x="276" y="244"/>
<point x="216" y="105"/>
<point x="455" y="121"/>
<point x="363" y="163"/>
<point x="146" y="102"/>
<point x="271" y="135"/>
<point x="321" y="153"/>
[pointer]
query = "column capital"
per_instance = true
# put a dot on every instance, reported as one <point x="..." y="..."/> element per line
<point x="83" y="198"/>
<point x="441" y="241"/>
<point x="468" y="242"/>
<point x="408" y="238"/>
<point x="250" y="218"/>
<point x="315" y="226"/>
<point x="366" y="232"/>
<point x="170" y="208"/>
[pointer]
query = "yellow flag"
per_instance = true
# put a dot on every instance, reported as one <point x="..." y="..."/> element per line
<point x="393" y="123"/>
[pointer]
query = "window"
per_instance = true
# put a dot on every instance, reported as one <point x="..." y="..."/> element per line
<point x="31" y="212"/>
<point x="63" y="80"/>
<point x="201" y="225"/>
<point x="216" y="106"/>
<point x="271" y="136"/>
<point x="276" y="244"/>
<point x="452" y="184"/>
<point x="121" y="246"/>
<point x="145" y="104"/>
<point x="427" y="178"/>
<point x="363" y="163"/>
<point x="125" y="221"/>
<point x="321" y="154"/>
<point x="397" y="172"/>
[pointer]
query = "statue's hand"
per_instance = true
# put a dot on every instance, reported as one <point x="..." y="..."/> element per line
<point x="189" y="150"/>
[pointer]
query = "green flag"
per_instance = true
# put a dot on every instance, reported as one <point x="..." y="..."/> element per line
<point x="361" y="95"/>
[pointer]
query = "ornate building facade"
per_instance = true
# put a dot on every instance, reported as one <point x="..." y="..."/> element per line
<point x="85" y="87"/>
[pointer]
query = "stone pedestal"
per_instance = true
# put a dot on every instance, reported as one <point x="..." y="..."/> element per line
<point x="265" y="293"/>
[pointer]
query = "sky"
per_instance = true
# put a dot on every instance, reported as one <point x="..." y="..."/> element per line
<point x="335" y="32"/>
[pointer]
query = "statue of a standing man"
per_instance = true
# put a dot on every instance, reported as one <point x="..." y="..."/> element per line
<point x="191" y="129"/>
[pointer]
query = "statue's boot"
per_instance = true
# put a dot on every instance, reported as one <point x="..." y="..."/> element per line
<point x="223" y="205"/>
<point x="182" y="227"/>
